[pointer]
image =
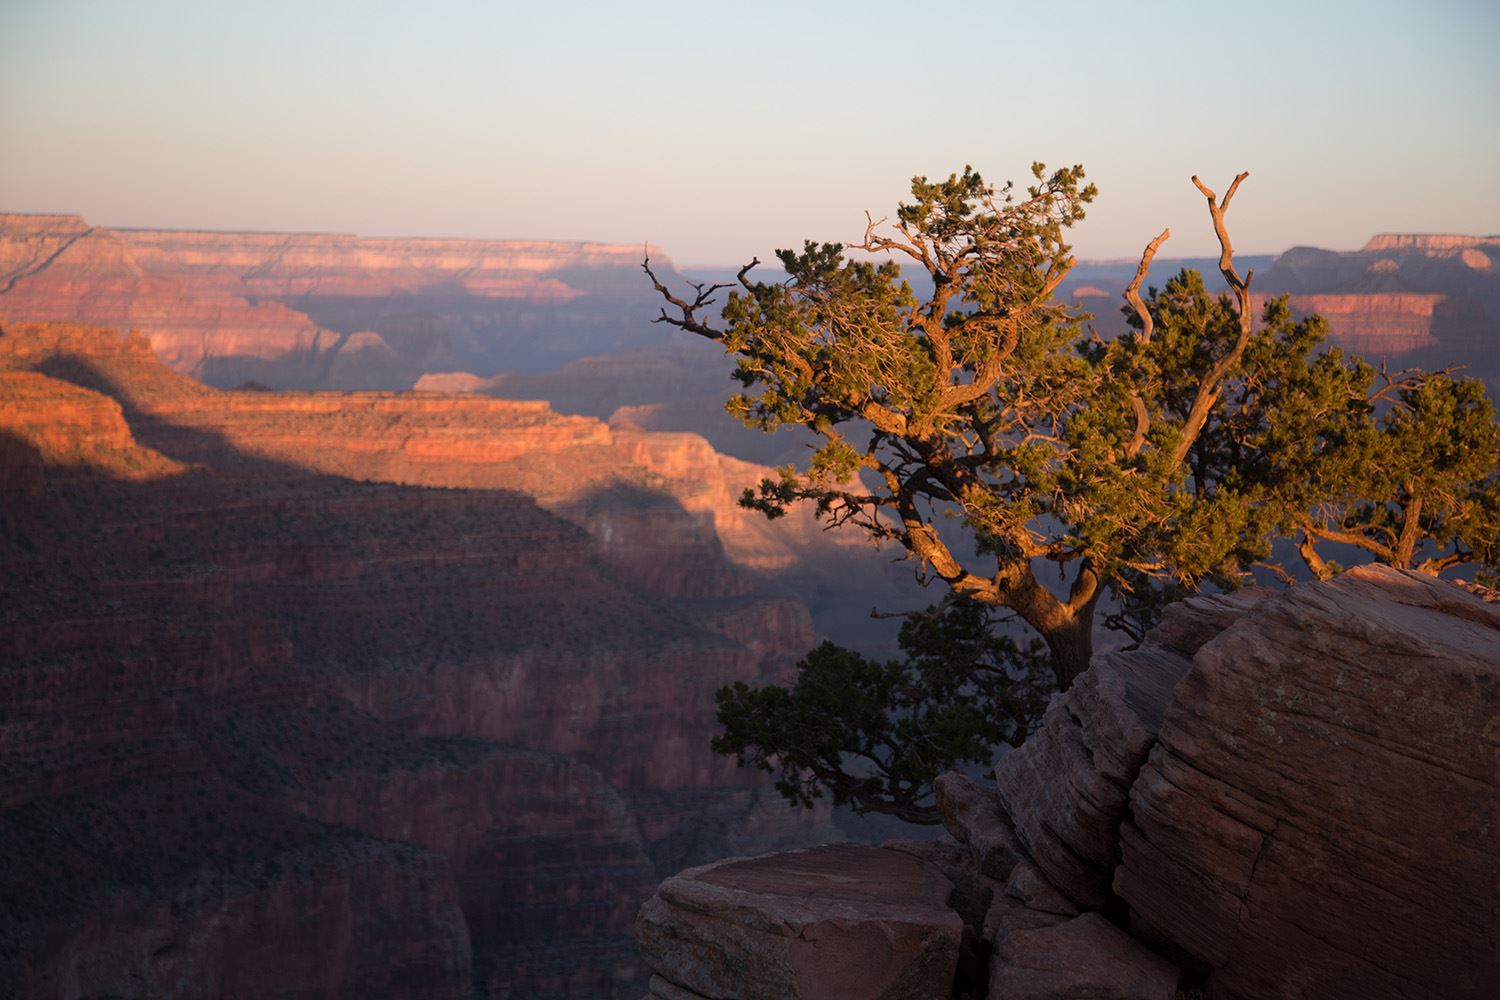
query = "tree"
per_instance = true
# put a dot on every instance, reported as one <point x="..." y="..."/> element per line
<point x="1031" y="467"/>
<point x="875" y="734"/>
<point x="966" y="426"/>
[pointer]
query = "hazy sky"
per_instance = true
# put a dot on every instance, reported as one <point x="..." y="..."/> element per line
<point x="724" y="130"/>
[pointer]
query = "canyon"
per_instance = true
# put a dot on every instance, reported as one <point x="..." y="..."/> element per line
<point x="1409" y="300"/>
<point x="286" y="672"/>
<point x="364" y="601"/>
<point x="304" y="310"/>
<point x="570" y="323"/>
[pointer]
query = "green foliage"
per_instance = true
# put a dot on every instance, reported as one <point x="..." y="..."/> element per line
<point x="1307" y="442"/>
<point x="1029" y="467"/>
<point x="875" y="734"/>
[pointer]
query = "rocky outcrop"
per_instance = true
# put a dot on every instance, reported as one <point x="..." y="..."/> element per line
<point x="1084" y="957"/>
<point x="1322" y="807"/>
<point x="1289" y="794"/>
<point x="1067" y="788"/>
<point x="828" y="922"/>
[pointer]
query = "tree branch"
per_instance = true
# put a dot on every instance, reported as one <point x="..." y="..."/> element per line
<point x="1208" y="388"/>
<point x="702" y="297"/>
<point x="1133" y="296"/>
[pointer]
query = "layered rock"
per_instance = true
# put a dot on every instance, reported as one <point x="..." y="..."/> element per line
<point x="321" y="309"/>
<point x="1066" y="789"/>
<point x="1291" y="795"/>
<point x="1084" y="957"/>
<point x="662" y="507"/>
<point x="59" y="268"/>
<point x="1322" y="810"/>
<point x="248" y="705"/>
<point x="1429" y="243"/>
<point x="833" y="921"/>
<point x="1430" y="300"/>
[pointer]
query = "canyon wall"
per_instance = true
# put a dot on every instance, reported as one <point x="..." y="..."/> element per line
<point x="570" y="322"/>
<point x="1412" y="300"/>
<point x="304" y="681"/>
<point x="1426" y="300"/>
<point x="329" y="310"/>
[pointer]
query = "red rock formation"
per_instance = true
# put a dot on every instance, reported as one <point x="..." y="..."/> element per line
<point x="1376" y="324"/>
<point x="1426" y="300"/>
<point x="288" y="265"/>
<point x="207" y="666"/>
<point x="69" y="427"/>
<point x="1427" y="242"/>
<point x="87" y="275"/>
<point x="306" y="309"/>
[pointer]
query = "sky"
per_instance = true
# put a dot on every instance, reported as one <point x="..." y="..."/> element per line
<point x="719" y="131"/>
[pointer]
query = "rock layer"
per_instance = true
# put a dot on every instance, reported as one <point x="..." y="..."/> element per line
<point x="413" y="740"/>
<point x="1289" y="794"/>
<point x="1321" y="815"/>
<point x="328" y="309"/>
<point x="833" y="921"/>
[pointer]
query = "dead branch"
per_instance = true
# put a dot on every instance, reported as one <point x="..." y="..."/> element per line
<point x="1406" y="378"/>
<point x="703" y="296"/>
<point x="1133" y="296"/>
<point x="1208" y="388"/>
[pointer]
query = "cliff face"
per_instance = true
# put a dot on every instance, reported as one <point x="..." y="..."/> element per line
<point x="1421" y="300"/>
<point x="1285" y="795"/>
<point x="1428" y="243"/>
<point x="308" y="309"/>
<point x="661" y="506"/>
<point x="1416" y="299"/>
<point x="398" y="727"/>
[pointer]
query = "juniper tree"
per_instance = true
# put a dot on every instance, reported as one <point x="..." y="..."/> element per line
<point x="1029" y="465"/>
<point x="965" y="425"/>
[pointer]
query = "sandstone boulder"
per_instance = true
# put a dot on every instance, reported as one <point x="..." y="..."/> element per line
<point x="1087" y="958"/>
<point x="834" y="921"/>
<point x="973" y="814"/>
<point x="1008" y="914"/>
<point x="1321" y="814"/>
<point x="1067" y="787"/>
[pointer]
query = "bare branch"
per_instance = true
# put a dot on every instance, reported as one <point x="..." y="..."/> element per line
<point x="1226" y="249"/>
<point x="1407" y="378"/>
<point x="1208" y="388"/>
<point x="1133" y="296"/>
<point x="702" y="297"/>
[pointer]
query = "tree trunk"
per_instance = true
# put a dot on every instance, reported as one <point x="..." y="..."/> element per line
<point x="1071" y="644"/>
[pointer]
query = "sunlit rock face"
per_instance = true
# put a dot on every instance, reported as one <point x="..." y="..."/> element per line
<point x="311" y="309"/>
<point x="1421" y="300"/>
<point x="304" y="675"/>
<point x="1411" y="299"/>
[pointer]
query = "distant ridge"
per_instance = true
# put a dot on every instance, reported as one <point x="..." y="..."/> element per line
<point x="1427" y="241"/>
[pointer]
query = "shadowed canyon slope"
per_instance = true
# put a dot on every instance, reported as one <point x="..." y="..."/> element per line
<point x="300" y="689"/>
